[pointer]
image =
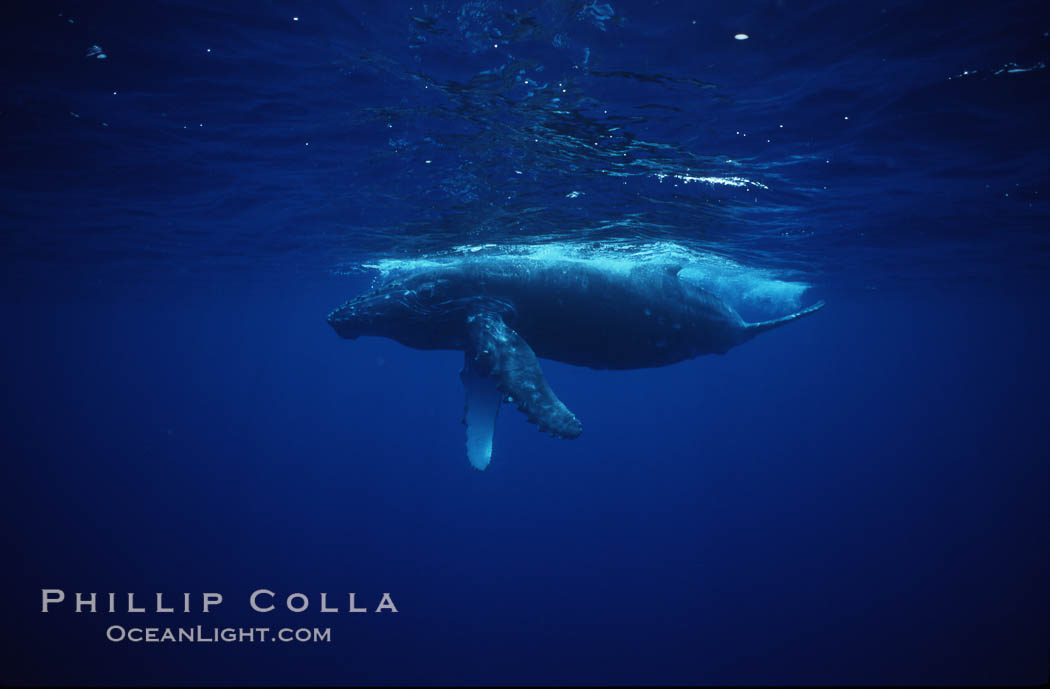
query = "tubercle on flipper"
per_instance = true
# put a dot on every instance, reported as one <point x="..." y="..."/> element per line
<point x="531" y="418"/>
<point x="550" y="430"/>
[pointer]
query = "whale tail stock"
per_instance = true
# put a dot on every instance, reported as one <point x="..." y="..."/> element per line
<point x="753" y="329"/>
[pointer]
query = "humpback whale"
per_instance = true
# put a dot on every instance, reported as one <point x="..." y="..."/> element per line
<point x="505" y="313"/>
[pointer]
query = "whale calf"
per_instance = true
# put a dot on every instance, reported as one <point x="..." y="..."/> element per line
<point x="505" y="312"/>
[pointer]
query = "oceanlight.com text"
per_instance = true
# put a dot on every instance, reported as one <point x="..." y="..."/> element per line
<point x="201" y="634"/>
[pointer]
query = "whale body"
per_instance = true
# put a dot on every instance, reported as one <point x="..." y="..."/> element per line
<point x="505" y="312"/>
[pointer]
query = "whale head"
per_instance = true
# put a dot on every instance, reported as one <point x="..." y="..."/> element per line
<point x="411" y="311"/>
<point x="371" y="314"/>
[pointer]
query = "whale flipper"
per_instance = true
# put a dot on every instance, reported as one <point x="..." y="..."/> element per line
<point x="479" y="413"/>
<point x="496" y="351"/>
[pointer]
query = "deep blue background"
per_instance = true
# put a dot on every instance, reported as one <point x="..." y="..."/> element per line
<point x="856" y="498"/>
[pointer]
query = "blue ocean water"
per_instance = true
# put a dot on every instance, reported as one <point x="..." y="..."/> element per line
<point x="189" y="188"/>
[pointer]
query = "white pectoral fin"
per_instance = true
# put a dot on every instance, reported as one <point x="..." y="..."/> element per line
<point x="479" y="414"/>
<point x="498" y="364"/>
<point x="496" y="351"/>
